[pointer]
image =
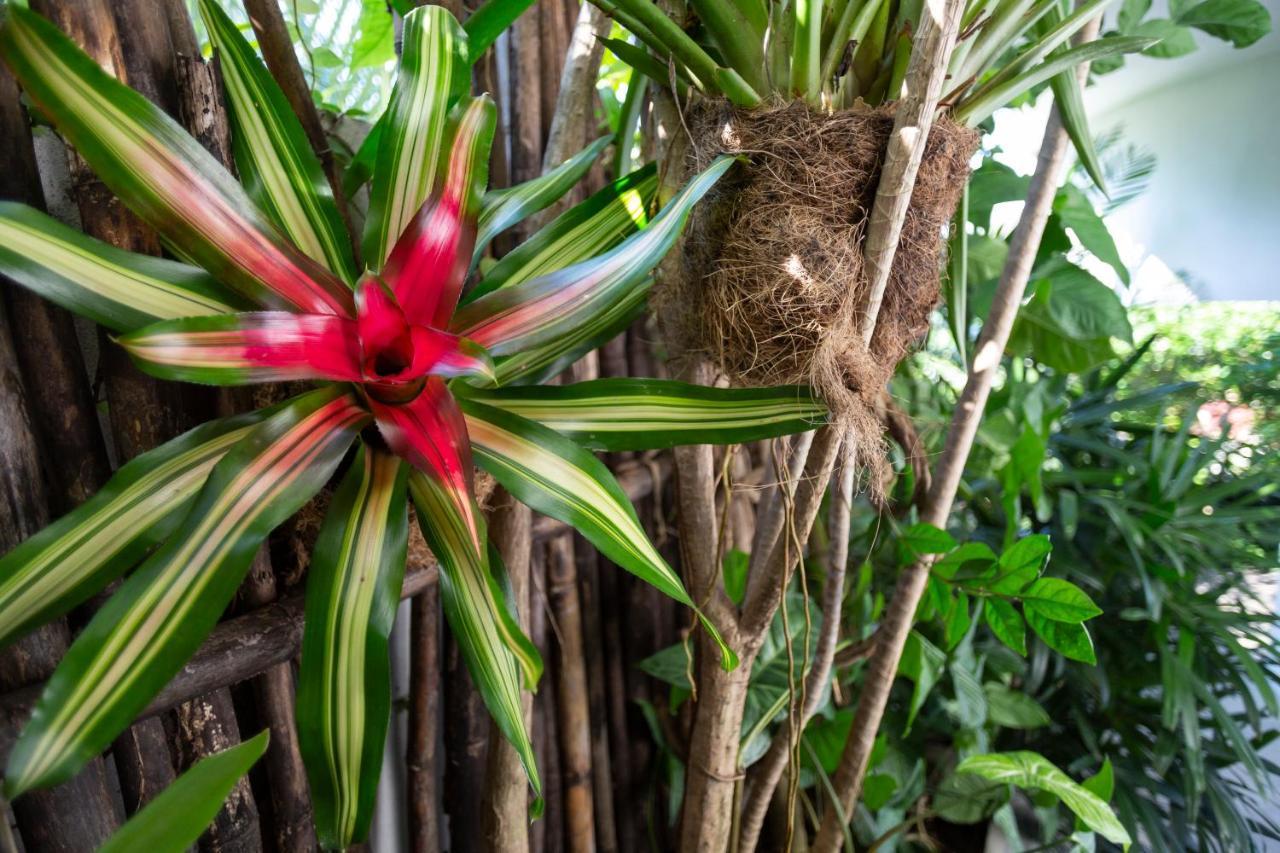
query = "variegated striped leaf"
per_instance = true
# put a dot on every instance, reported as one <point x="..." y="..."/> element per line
<point x="166" y="608"/>
<point x="503" y="209"/>
<point x="95" y="543"/>
<point x="344" y="685"/>
<point x="430" y="259"/>
<point x="492" y="644"/>
<point x="183" y="811"/>
<point x="274" y="157"/>
<point x="540" y="363"/>
<point x="161" y="173"/>
<point x="581" y="232"/>
<point x="544" y="309"/>
<point x="121" y="290"/>
<point x="413" y="140"/>
<point x="649" y="414"/>
<point x="240" y="349"/>
<point x="558" y="478"/>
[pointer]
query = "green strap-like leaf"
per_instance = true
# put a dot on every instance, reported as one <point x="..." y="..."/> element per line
<point x="650" y="414"/>
<point x="581" y="232"/>
<point x="95" y="543"/>
<point x="411" y="145"/>
<point x="121" y="290"/>
<point x="504" y="208"/>
<point x="485" y="24"/>
<point x="181" y="812"/>
<point x="281" y="172"/>
<point x="543" y="309"/>
<point x="166" y="608"/>
<point x="988" y="98"/>
<point x="494" y="647"/>
<point x="161" y="173"/>
<point x="344" y="685"/>
<point x="558" y="478"/>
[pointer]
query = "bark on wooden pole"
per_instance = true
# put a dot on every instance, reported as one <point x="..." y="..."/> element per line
<point x="422" y="757"/>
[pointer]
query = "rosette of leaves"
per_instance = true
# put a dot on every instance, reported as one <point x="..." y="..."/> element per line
<point x="412" y="387"/>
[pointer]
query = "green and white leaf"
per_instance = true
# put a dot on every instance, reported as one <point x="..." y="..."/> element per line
<point x="644" y="414"/>
<point x="161" y="614"/>
<point x="412" y="143"/>
<point x="80" y="553"/>
<point x="558" y="478"/>
<point x="344" y="684"/>
<point x="272" y="152"/>
<point x="120" y="290"/>
<point x="503" y="209"/>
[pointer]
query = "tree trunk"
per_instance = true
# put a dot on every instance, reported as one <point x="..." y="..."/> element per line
<point x="423" y="755"/>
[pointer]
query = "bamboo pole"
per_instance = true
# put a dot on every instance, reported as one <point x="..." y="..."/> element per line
<point x="896" y="623"/>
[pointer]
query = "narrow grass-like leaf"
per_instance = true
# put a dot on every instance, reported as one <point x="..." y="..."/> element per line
<point x="653" y="67"/>
<point x="104" y="537"/>
<point x="1010" y="19"/>
<point x="558" y="478"/>
<point x="413" y="141"/>
<point x="646" y="414"/>
<point x="738" y="34"/>
<point x="852" y="25"/>
<point x="581" y="232"/>
<point x="344" y="684"/>
<point x="161" y="173"/>
<point x="181" y="812"/>
<point x="477" y="612"/>
<point x="166" y="608"/>
<point x="239" y="349"/>
<point x="988" y="99"/>
<point x="1075" y="121"/>
<point x="121" y="290"/>
<point x="504" y="208"/>
<point x="274" y="157"/>
<point x="540" y="310"/>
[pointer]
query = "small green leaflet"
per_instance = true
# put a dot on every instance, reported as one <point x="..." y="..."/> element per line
<point x="1030" y="770"/>
<point x="920" y="539"/>
<point x="181" y="812"/>
<point x="922" y="662"/>
<point x="1006" y="624"/>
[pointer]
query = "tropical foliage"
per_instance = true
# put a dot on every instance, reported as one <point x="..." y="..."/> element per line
<point x="412" y="378"/>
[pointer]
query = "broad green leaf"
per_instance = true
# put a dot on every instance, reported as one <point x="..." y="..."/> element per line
<point x="411" y="146"/>
<point x="582" y="232"/>
<point x="1103" y="783"/>
<point x="1012" y="708"/>
<point x="806" y="49"/>
<point x="958" y="621"/>
<point x="375" y="44"/>
<point x="644" y="414"/>
<point x="1067" y="638"/>
<point x="978" y="107"/>
<point x="344" y="684"/>
<point x="972" y="560"/>
<point x="969" y="708"/>
<point x="558" y="478"/>
<point x="543" y="309"/>
<point x="1020" y="564"/>
<point x="104" y="537"/>
<point x="738" y="30"/>
<point x="922" y="662"/>
<point x="1174" y="41"/>
<point x="1059" y="600"/>
<point x="990" y="184"/>
<point x="1241" y="22"/>
<point x="967" y="798"/>
<point x="734" y="569"/>
<point x="1033" y="771"/>
<point x="1075" y="211"/>
<point x="920" y="539"/>
<point x="161" y="614"/>
<point x="478" y="614"/>
<point x="183" y="811"/>
<point x="1070" y="320"/>
<point x="121" y="290"/>
<point x="161" y="173"/>
<point x="485" y="24"/>
<point x="504" y="208"/>
<point x="1006" y="624"/>
<point x="274" y="157"/>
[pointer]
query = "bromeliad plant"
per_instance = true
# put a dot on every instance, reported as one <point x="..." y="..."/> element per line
<point x="410" y="378"/>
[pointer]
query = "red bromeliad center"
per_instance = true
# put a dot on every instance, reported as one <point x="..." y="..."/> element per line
<point x="396" y="357"/>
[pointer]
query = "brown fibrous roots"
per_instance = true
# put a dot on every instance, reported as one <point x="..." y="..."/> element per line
<point x="773" y="289"/>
